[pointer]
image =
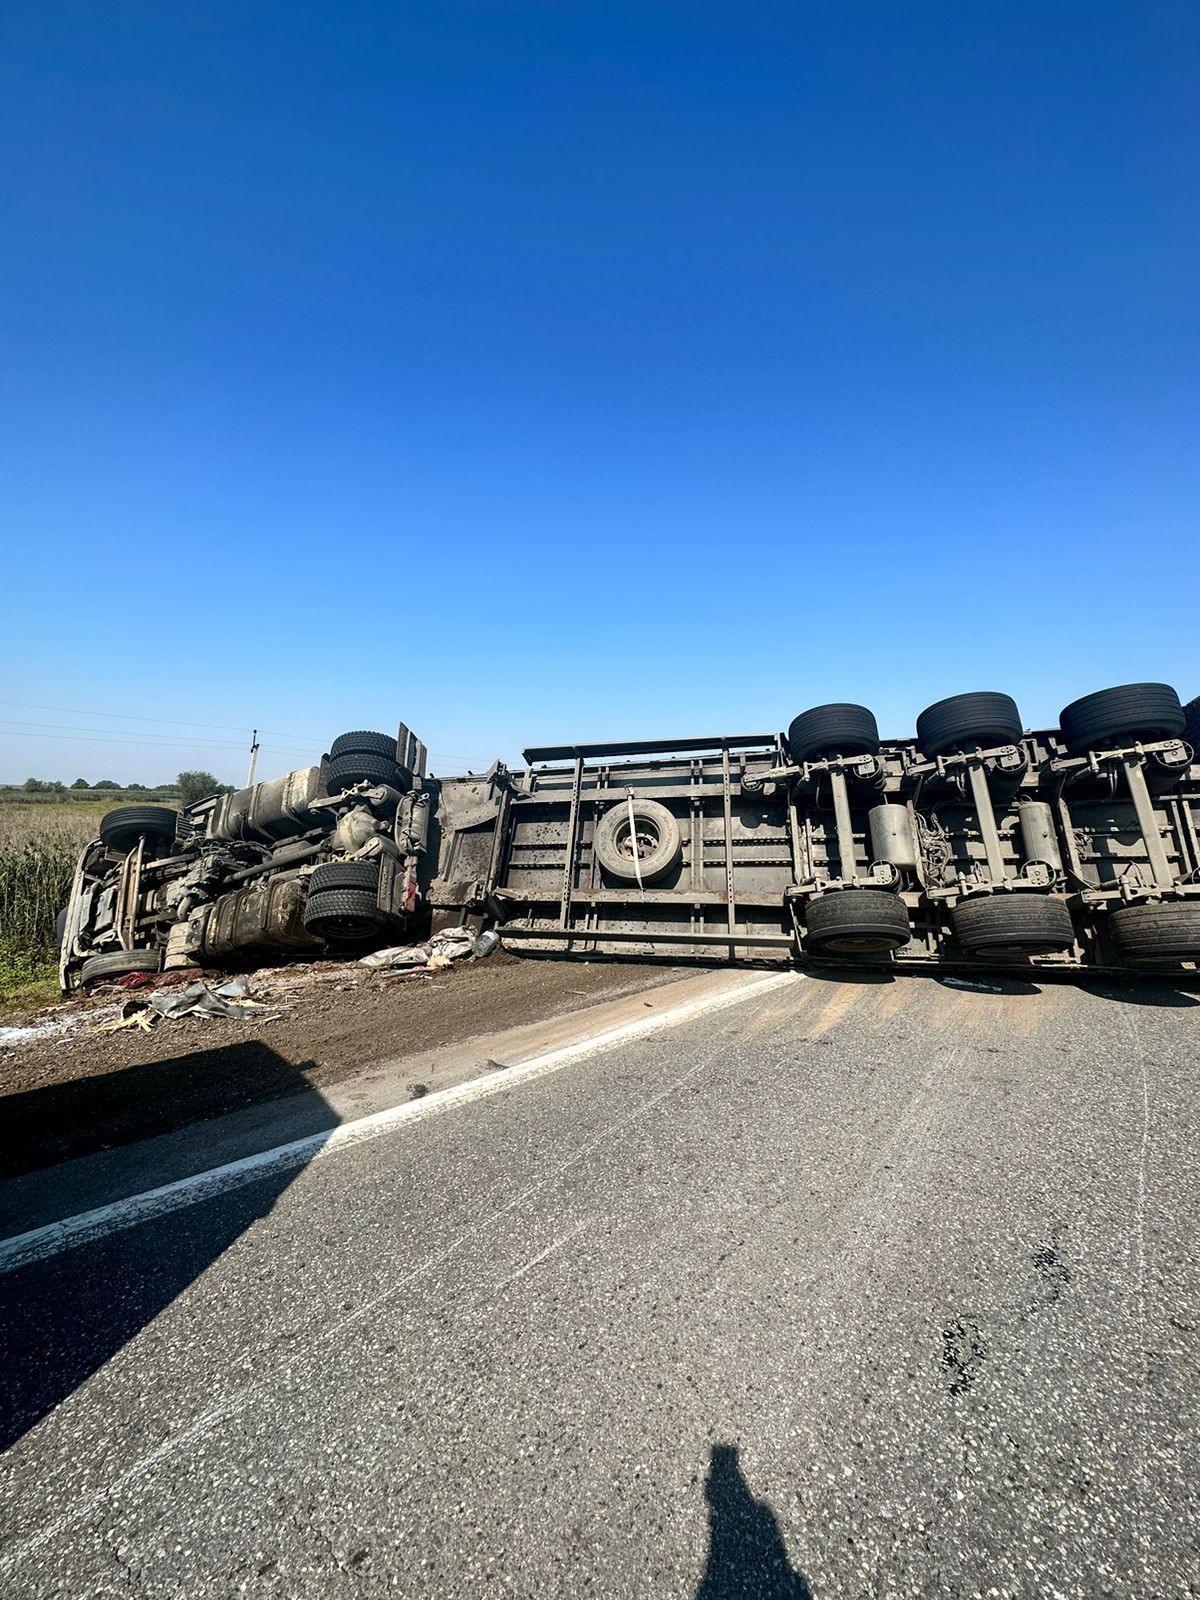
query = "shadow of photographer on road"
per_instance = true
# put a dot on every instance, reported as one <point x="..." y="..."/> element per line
<point x="747" y="1558"/>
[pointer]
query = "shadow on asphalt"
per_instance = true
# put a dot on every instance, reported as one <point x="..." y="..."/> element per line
<point x="63" y="1318"/>
<point x="747" y="1558"/>
<point x="998" y="982"/>
<point x="1143" y="992"/>
<point x="1178" y="991"/>
<point x="859" y="975"/>
<point x="61" y="1121"/>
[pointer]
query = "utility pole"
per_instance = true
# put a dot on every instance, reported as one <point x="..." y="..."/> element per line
<point x="253" y="758"/>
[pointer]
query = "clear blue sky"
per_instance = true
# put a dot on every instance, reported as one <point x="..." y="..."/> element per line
<point x="533" y="371"/>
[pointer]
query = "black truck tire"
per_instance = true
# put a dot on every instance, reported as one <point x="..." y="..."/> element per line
<point x="856" y="922"/>
<point x="1191" y="731"/>
<point x="1133" y="711"/>
<point x="363" y="766"/>
<point x="659" y="843"/>
<point x="345" y="875"/>
<point x="121" y="829"/>
<point x="1169" y="932"/>
<point x="343" y="916"/>
<point x="1013" y="924"/>
<point x="116" y="963"/>
<point x="362" y="743"/>
<point x="840" y="729"/>
<point x="968" y="721"/>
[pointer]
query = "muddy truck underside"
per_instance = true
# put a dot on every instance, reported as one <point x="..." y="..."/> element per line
<point x="973" y="844"/>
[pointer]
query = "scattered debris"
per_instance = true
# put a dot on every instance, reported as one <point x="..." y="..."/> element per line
<point x="452" y="944"/>
<point x="11" y="1036"/>
<point x="58" y="1024"/>
<point x="230" y="1000"/>
<point x="402" y="955"/>
<point x="967" y="983"/>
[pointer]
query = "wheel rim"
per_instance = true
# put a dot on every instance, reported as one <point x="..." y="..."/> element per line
<point x="636" y="844"/>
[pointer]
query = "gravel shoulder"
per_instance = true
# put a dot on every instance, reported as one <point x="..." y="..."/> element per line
<point x="82" y="1090"/>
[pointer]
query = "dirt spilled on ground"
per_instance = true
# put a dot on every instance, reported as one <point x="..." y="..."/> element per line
<point x="84" y="1090"/>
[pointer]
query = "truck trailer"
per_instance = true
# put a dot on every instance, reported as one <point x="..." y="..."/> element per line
<point x="972" y="844"/>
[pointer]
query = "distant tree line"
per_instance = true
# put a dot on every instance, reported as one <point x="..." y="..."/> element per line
<point x="188" y="786"/>
<point x="52" y="786"/>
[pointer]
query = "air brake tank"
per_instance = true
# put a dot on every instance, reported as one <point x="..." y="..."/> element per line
<point x="892" y="837"/>
<point x="1039" y="843"/>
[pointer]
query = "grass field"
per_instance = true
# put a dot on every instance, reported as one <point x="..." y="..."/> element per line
<point x="39" y="847"/>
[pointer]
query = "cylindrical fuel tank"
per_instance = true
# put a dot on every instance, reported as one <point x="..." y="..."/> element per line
<point x="1039" y="842"/>
<point x="259" y="917"/>
<point x="892" y="836"/>
<point x="269" y="810"/>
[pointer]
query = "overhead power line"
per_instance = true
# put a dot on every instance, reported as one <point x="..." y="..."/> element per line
<point x="110" y="736"/>
<point x="11" y="727"/>
<point x="311" y="742"/>
<point x="145" y="744"/>
<point x="174" y="722"/>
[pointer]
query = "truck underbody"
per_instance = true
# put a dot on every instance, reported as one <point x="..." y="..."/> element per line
<point x="973" y="845"/>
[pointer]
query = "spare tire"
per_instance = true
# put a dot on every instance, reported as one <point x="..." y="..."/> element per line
<point x="1013" y="924"/>
<point x="361" y="743"/>
<point x="856" y="922"/>
<point x="344" y="916"/>
<point x="655" y="836"/>
<point x="362" y="766"/>
<point x="840" y="729"/>
<point x="968" y="722"/>
<point x="1168" y="932"/>
<point x="1134" y="711"/>
<point x="121" y="829"/>
<point x="116" y="963"/>
<point x="345" y="875"/>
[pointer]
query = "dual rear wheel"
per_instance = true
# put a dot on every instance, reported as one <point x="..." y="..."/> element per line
<point x="365" y="757"/>
<point x="1133" y="712"/>
<point x="846" y="921"/>
<point x="1156" y="933"/>
<point x="1018" y="924"/>
<point x="342" y="905"/>
<point x="856" y="922"/>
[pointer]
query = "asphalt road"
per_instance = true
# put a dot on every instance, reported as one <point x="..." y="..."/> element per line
<point x="854" y="1289"/>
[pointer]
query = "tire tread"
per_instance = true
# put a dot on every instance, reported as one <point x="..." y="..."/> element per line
<point x="1144" y="711"/>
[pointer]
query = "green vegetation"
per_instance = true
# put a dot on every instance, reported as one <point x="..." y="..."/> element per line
<point x="195" y="786"/>
<point x="95" y="795"/>
<point x="41" y="836"/>
<point x="39" y="846"/>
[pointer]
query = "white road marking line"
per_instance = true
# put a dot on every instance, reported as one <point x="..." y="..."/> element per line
<point x="540" y="1257"/>
<point x="233" y="1405"/>
<point x="71" y="1232"/>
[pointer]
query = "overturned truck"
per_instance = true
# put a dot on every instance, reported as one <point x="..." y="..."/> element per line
<point x="973" y="843"/>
